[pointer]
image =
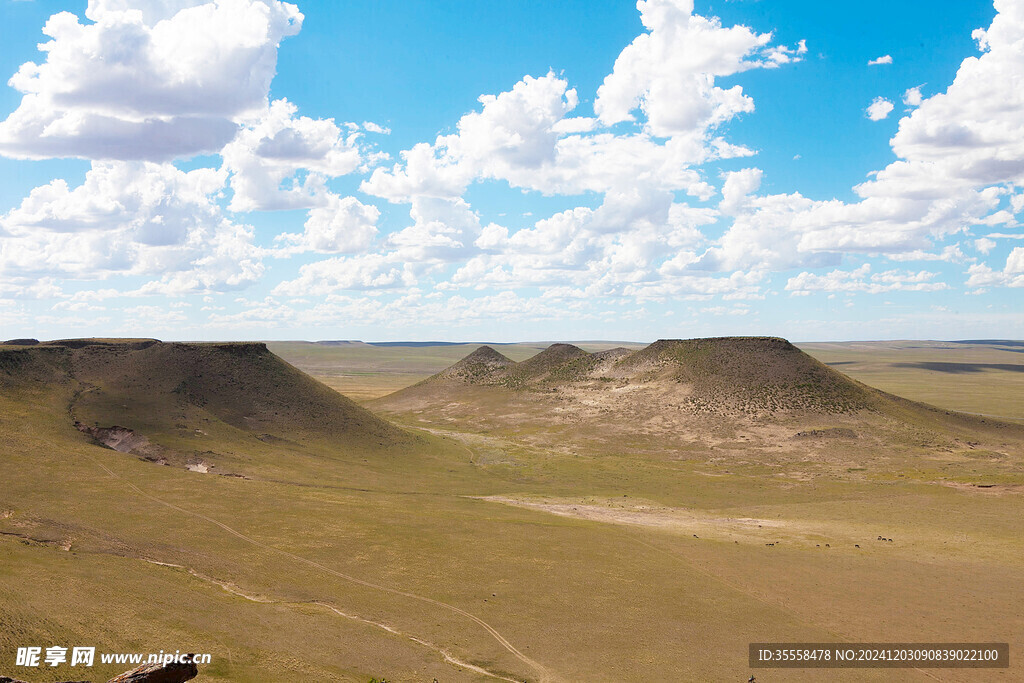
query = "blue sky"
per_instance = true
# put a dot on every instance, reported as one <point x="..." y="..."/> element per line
<point x="381" y="170"/>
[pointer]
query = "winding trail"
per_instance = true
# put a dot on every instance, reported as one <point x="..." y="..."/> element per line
<point x="545" y="675"/>
<point x="445" y="654"/>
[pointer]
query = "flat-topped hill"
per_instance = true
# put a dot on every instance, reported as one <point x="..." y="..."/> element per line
<point x="763" y="373"/>
<point x="169" y="388"/>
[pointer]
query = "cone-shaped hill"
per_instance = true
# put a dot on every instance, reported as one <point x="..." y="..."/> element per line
<point x="677" y="391"/>
<point x="478" y="367"/>
<point x="168" y="390"/>
<point x="727" y="373"/>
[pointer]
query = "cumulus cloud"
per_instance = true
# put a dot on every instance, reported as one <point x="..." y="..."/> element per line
<point x="510" y="138"/>
<point x="973" y="134"/>
<point x="455" y="311"/>
<point x="268" y="154"/>
<point x="1012" y="274"/>
<point x="913" y="97"/>
<point x="131" y="218"/>
<point x="528" y="138"/>
<point x="862" y="280"/>
<point x="165" y="81"/>
<point x="342" y="225"/>
<point x="959" y="151"/>
<point x="984" y="245"/>
<point x="669" y="72"/>
<point x="152" y="11"/>
<point x="525" y="136"/>
<point x="603" y="251"/>
<point x="443" y="230"/>
<point x="879" y="109"/>
<point x="363" y="272"/>
<point x="884" y="59"/>
<point x="737" y="187"/>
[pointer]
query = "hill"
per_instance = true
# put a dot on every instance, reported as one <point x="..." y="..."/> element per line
<point x="478" y="367"/>
<point x="677" y="393"/>
<point x="162" y="401"/>
<point x="753" y="374"/>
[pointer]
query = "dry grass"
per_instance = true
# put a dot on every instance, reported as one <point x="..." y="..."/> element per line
<point x="980" y="378"/>
<point x="322" y="533"/>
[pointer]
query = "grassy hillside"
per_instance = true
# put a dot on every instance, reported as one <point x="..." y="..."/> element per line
<point x="472" y="554"/>
<point x="242" y="385"/>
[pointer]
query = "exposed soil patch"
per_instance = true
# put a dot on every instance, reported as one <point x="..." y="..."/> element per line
<point x="651" y="515"/>
<point x="121" y="439"/>
<point x="830" y="433"/>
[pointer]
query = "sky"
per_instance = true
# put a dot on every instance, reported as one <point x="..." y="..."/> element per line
<point x="511" y="170"/>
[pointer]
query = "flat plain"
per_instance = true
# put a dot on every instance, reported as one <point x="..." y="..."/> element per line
<point x="295" y="536"/>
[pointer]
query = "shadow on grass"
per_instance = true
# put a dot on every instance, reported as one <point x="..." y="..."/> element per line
<point x="961" y="368"/>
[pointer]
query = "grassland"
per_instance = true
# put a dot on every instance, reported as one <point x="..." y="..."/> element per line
<point x="984" y="378"/>
<point x="334" y="559"/>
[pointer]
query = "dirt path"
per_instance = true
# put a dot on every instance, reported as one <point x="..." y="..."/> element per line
<point x="234" y="590"/>
<point x="543" y="672"/>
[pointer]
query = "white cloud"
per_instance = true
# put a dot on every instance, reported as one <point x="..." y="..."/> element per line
<point x="884" y="59"/>
<point x="1012" y="275"/>
<point x="958" y="153"/>
<point x="623" y="242"/>
<point x="913" y="97"/>
<point x="526" y="137"/>
<point x="168" y="81"/>
<point x="973" y="134"/>
<point x="268" y="153"/>
<point x="152" y="11"/>
<point x="363" y="272"/>
<point x="950" y="254"/>
<point x="737" y="187"/>
<point x="878" y="109"/>
<point x="443" y="230"/>
<point x="861" y="280"/>
<point x="372" y="127"/>
<point x="511" y="138"/>
<point x="724" y="310"/>
<point x="342" y="225"/>
<point x="130" y="218"/>
<point x="669" y="72"/>
<point x="427" y="310"/>
<point x="984" y="245"/>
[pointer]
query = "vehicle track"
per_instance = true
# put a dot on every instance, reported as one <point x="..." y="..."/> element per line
<point x="545" y="675"/>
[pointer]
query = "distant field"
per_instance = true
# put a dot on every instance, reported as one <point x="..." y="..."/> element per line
<point x="983" y="378"/>
<point x="364" y="372"/>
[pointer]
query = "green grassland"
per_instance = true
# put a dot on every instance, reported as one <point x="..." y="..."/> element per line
<point x="450" y="553"/>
